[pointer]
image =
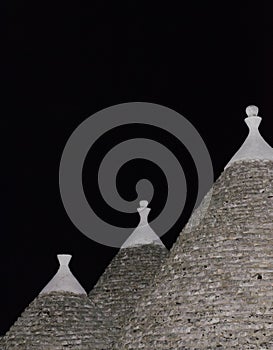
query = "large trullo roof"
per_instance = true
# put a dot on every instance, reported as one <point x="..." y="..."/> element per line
<point x="129" y="274"/>
<point x="61" y="317"/>
<point x="215" y="290"/>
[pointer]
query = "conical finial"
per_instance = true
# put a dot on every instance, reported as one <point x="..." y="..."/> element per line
<point x="252" y="111"/>
<point x="64" y="259"/>
<point x="143" y="234"/>
<point x="63" y="281"/>
<point x="254" y="147"/>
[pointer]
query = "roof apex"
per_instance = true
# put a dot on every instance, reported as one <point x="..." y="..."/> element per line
<point x="254" y="147"/>
<point x="143" y="233"/>
<point x="63" y="281"/>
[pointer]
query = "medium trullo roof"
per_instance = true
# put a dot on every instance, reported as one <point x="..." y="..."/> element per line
<point x="215" y="290"/>
<point x="61" y="317"/>
<point x="129" y="274"/>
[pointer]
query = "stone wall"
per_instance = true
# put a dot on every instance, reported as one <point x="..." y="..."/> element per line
<point x="215" y="290"/>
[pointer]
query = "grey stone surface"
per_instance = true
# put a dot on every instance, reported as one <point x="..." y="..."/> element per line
<point x="215" y="290"/>
<point x="58" y="320"/>
<point x="124" y="282"/>
<point x="199" y="212"/>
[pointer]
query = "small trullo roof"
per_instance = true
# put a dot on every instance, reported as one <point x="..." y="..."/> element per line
<point x="215" y="290"/>
<point x="61" y="317"/>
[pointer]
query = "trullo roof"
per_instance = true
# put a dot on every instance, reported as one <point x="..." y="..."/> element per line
<point x="215" y="290"/>
<point x="61" y="317"/>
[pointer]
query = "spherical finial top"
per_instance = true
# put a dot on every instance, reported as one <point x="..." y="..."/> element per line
<point x="252" y="111"/>
<point x="143" y="204"/>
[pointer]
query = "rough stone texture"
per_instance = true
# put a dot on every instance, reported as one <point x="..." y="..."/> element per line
<point x="58" y="321"/>
<point x="124" y="281"/>
<point x="215" y="290"/>
<point x="199" y="212"/>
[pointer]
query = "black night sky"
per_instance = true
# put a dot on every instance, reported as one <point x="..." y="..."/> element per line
<point x="65" y="62"/>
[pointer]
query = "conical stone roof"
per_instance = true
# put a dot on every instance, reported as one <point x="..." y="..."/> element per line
<point x="215" y="290"/>
<point x="129" y="274"/>
<point x="61" y="317"/>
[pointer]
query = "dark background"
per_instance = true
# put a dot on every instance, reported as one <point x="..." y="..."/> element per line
<point x="65" y="62"/>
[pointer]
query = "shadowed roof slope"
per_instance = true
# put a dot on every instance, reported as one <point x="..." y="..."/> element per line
<point x="129" y="274"/>
<point x="215" y="290"/>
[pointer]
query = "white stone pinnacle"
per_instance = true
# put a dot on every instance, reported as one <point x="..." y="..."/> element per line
<point x="63" y="281"/>
<point x="143" y="234"/>
<point x="254" y="147"/>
